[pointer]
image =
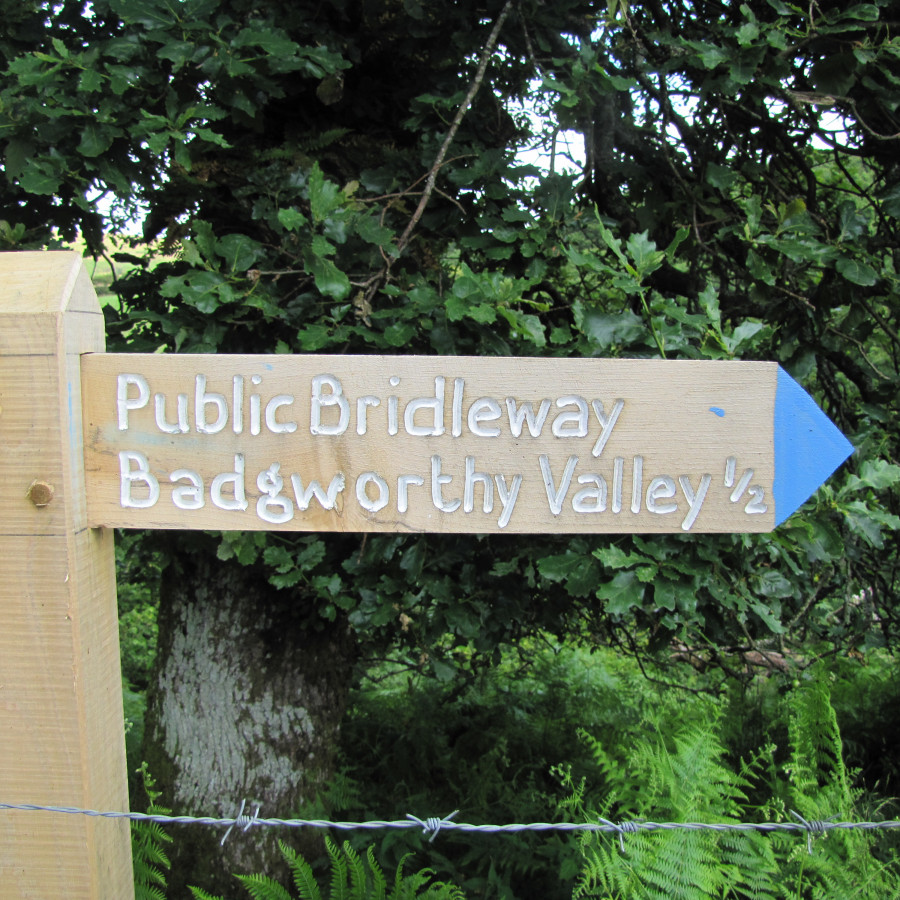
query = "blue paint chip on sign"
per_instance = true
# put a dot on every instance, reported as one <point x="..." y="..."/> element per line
<point x="718" y="411"/>
<point x="808" y="447"/>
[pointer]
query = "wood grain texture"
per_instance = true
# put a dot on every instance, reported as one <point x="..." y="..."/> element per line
<point x="61" y="725"/>
<point x="656" y="436"/>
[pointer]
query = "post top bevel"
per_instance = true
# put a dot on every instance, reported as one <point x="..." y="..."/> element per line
<point x="45" y="281"/>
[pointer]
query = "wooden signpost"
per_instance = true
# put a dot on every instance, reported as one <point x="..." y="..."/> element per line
<point x="448" y="444"/>
<point x="312" y="443"/>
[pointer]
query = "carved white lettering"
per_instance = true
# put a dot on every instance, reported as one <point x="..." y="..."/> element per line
<point x="485" y="409"/>
<point x="618" y="472"/>
<point x="362" y="404"/>
<point x="757" y="503"/>
<point x="459" y="387"/>
<point x="124" y="403"/>
<point x="403" y="485"/>
<point x="661" y="489"/>
<point x="437" y="487"/>
<point x="271" y="423"/>
<point x="590" y="499"/>
<point x="362" y="495"/>
<point x="524" y="414"/>
<point x="730" y="465"/>
<point x="237" y="404"/>
<point x="238" y="498"/>
<point x="327" y="499"/>
<point x="181" y="405"/>
<point x="742" y="485"/>
<point x="571" y="424"/>
<point x="190" y="495"/>
<point x="469" y="488"/>
<point x="202" y="399"/>
<point x="393" y="408"/>
<point x="694" y="498"/>
<point x="255" y="418"/>
<point x="606" y="423"/>
<point x="334" y="397"/>
<point x="637" y="483"/>
<point x="435" y="404"/>
<point x="273" y="506"/>
<point x="508" y="497"/>
<point x="129" y="476"/>
<point x="556" y="495"/>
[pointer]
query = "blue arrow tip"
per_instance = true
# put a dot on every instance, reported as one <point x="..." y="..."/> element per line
<point x="808" y="447"/>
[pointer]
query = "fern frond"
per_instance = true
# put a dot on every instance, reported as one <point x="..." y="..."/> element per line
<point x="352" y="878"/>
<point x="407" y="886"/>
<point x="680" y="778"/>
<point x="817" y="751"/>
<point x="442" y="891"/>
<point x="144" y="892"/>
<point x="301" y="872"/>
<point x="754" y="869"/>
<point x="147" y="876"/>
<point x="339" y="888"/>
<point x="148" y="839"/>
<point x="379" y="884"/>
<point x="358" y="878"/>
<point x="200" y="894"/>
<point x="261" y="887"/>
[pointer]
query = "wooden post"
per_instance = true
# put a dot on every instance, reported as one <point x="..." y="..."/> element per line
<point x="61" y="726"/>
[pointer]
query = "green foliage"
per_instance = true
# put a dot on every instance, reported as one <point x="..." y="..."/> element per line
<point x="693" y="749"/>
<point x="138" y="570"/>
<point x="134" y="708"/>
<point x="419" y="745"/>
<point x="715" y="216"/>
<point x="627" y="749"/>
<point x="682" y="774"/>
<point x="677" y="785"/>
<point x="148" y="843"/>
<point x="351" y="878"/>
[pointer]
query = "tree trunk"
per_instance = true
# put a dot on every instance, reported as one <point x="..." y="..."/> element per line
<point x="245" y="703"/>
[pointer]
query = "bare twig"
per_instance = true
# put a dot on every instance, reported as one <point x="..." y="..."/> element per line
<point x="454" y="127"/>
<point x="886" y="326"/>
<point x="862" y="351"/>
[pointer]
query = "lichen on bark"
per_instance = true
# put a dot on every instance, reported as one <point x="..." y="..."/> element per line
<point x="245" y="704"/>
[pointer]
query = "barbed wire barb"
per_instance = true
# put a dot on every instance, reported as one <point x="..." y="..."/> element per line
<point x="433" y="825"/>
<point x="621" y="828"/>
<point x="241" y="821"/>
<point x="816" y="827"/>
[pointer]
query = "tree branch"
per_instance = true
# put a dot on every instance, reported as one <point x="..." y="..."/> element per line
<point x="454" y="127"/>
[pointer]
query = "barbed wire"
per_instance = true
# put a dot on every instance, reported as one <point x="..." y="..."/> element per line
<point x="432" y="826"/>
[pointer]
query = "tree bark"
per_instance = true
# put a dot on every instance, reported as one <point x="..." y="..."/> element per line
<point x="245" y="703"/>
